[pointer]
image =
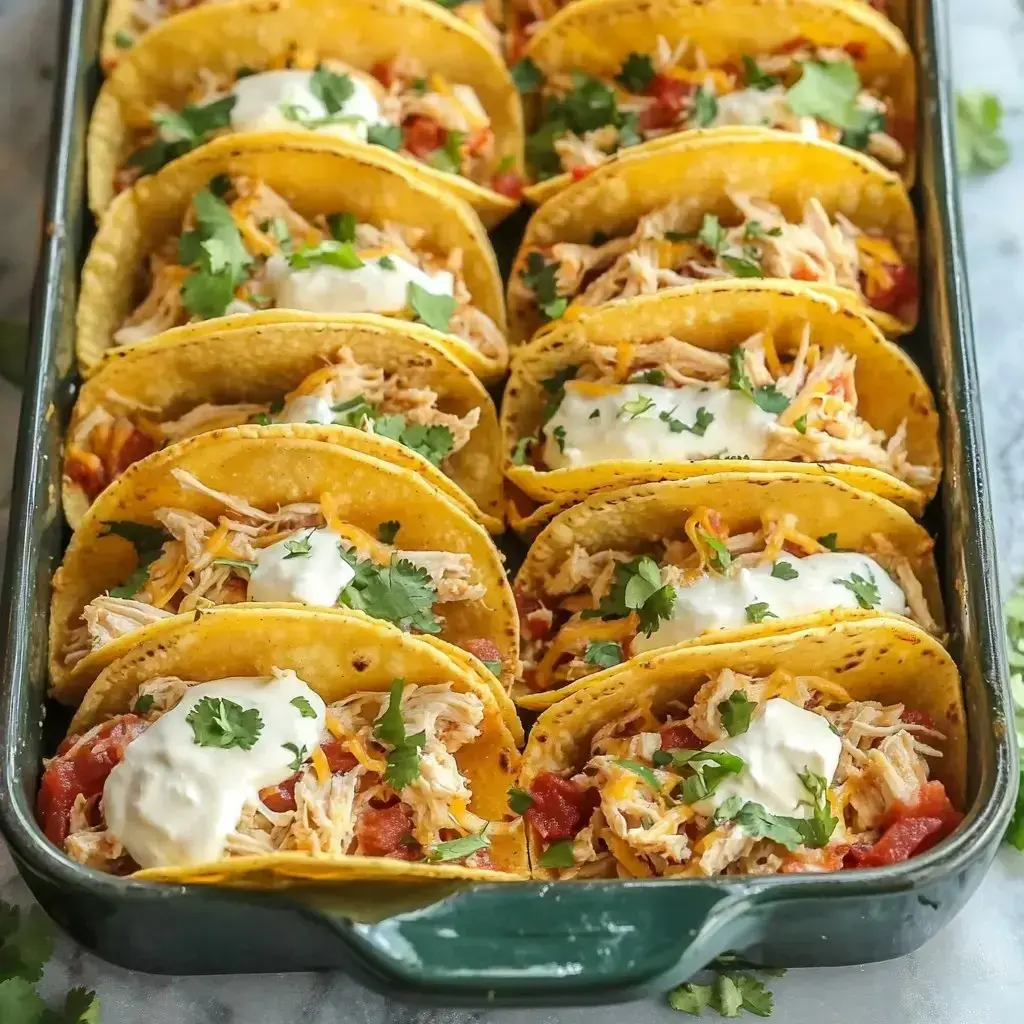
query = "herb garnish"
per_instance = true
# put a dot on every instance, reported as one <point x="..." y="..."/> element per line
<point x="403" y="763"/>
<point x="217" y="722"/>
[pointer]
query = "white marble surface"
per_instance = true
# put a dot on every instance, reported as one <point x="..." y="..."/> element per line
<point x="973" y="973"/>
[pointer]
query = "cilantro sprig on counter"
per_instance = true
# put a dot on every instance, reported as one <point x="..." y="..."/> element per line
<point x="981" y="146"/>
<point x="26" y="944"/>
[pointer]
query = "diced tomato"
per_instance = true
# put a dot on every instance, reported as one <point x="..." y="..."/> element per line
<point x="856" y="50"/>
<point x="579" y="172"/>
<point x="138" y="446"/>
<point x="679" y="737"/>
<point x="380" y="831"/>
<point x="84" y="772"/>
<point x="804" y="273"/>
<point x="339" y="760"/>
<point x="560" y="807"/>
<point x="932" y="802"/>
<point x="914" y="717"/>
<point x="383" y="72"/>
<point x="670" y="96"/>
<point x="508" y="183"/>
<point x="282" y="796"/>
<point x="485" y="650"/>
<point x="88" y="473"/>
<point x="901" y="295"/>
<point x="900" y="842"/>
<point x="422" y="135"/>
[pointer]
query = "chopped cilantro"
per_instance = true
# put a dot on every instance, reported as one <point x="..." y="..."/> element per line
<point x="400" y="593"/>
<point x="865" y="590"/>
<point x="640" y="770"/>
<point x="303" y="706"/>
<point x="800" y="424"/>
<point x="331" y="89"/>
<point x="143" y="703"/>
<point x="300" y="755"/>
<point x="735" y="711"/>
<point x="830" y="541"/>
<point x="651" y="376"/>
<point x="449" y="157"/>
<point x="755" y="77"/>
<point x="180" y="131"/>
<point x="595" y="415"/>
<point x="386" y="263"/>
<point x="387" y="135"/>
<point x="387" y="531"/>
<point x="235" y="563"/>
<point x="433" y="442"/>
<point x="554" y="386"/>
<point x="711" y="233"/>
<point x="519" y="801"/>
<point x="768" y="398"/>
<point x="343" y="226"/>
<point x="818" y="828"/>
<point x="637" y="586"/>
<point x="702" y="421"/>
<point x="123" y="40"/>
<point x="403" y="763"/>
<point x="636" y="73"/>
<point x="559" y="435"/>
<point x="430" y="308"/>
<point x="754" y="229"/>
<point x="759" y="611"/>
<point x="828" y="91"/>
<point x="558" y="855"/>
<point x="148" y="542"/>
<point x="301" y="548"/>
<point x="708" y="768"/>
<point x="521" y="449"/>
<point x="540" y="278"/>
<point x="721" y="558"/>
<point x="743" y="266"/>
<point x="636" y="406"/>
<point x="784" y="571"/>
<point x="603" y="653"/>
<point x="329" y="253"/>
<point x="527" y="77"/>
<point x="458" y="849"/>
<point x="217" y="722"/>
<point x="353" y="411"/>
<point x="705" y="107"/>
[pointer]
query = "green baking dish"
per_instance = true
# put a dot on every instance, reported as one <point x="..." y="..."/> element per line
<point x="528" y="944"/>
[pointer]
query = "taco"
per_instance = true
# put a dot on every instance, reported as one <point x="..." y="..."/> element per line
<point x="259" y="745"/>
<point x="128" y="20"/>
<point x="725" y="376"/>
<point x="405" y="77"/>
<point x="710" y="560"/>
<point x="607" y="77"/>
<point x="385" y="388"/>
<point x="808" y="752"/>
<point x="279" y="231"/>
<point x="251" y="514"/>
<point x="722" y="206"/>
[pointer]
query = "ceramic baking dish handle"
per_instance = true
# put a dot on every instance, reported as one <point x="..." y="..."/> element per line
<point x="572" y="942"/>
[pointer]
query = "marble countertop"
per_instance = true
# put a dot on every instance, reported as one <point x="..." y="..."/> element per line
<point x="973" y="973"/>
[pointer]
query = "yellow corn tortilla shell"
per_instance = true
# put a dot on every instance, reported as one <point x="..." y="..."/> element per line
<point x="717" y="316"/>
<point x="637" y="519"/>
<point x="781" y="168"/>
<point x="313" y="178"/>
<point x="165" y="65"/>
<point x="269" y="471"/>
<point x="260" y="363"/>
<point x="596" y="37"/>
<point x="336" y="653"/>
<point x="883" y="659"/>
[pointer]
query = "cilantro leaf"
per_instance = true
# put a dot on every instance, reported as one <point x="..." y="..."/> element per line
<point x="690" y="998"/>
<point x="458" y="849"/>
<point x="387" y="531"/>
<point x="735" y="711"/>
<point x="301" y="548"/>
<point x="20" y="1003"/>
<point x="827" y="91"/>
<point x="433" y="310"/>
<point x="980" y="144"/>
<point x="449" y="157"/>
<point x="519" y="801"/>
<point x="304" y="708"/>
<point x="217" y="722"/>
<point x="180" y="131"/>
<point x="387" y="135"/>
<point x="80" y="1007"/>
<point x="865" y="590"/>
<point x="332" y="90"/>
<point x="651" y="376"/>
<point x="521" y="450"/>
<point x="755" y="77"/>
<point x="143" y="704"/>
<point x="603" y="653"/>
<point x="559" y="435"/>
<point x="330" y="253"/>
<point x="636" y="73"/>
<point x="829" y="540"/>
<point x="558" y="855"/>
<point x="702" y="421"/>
<point x="636" y="406"/>
<point x="539" y="277"/>
<point x="768" y="398"/>
<point x="554" y="386"/>
<point x="705" y="107"/>
<point x="403" y="762"/>
<point x="343" y="226"/>
<point x="400" y="593"/>
<point x="26" y="943"/>
<point x="527" y="77"/>
<point x="709" y="768"/>
<point x="784" y="571"/>
<point x="743" y="266"/>
<point x="300" y="755"/>
<point x="637" y="586"/>
<point x="757" y="822"/>
<point x="148" y="542"/>
<point x="711" y="233"/>
<point x="640" y="770"/>
<point x="759" y="611"/>
<point x="722" y="557"/>
<point x="818" y="828"/>
<point x="800" y="424"/>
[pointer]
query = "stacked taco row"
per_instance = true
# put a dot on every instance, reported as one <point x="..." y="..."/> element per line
<point x="295" y="650"/>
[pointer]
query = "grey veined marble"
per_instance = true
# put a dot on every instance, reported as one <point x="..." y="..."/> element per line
<point x="973" y="973"/>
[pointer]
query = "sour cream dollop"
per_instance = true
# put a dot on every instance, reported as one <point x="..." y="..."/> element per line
<point x="306" y="567"/>
<point x="370" y="288"/>
<point x="782" y="742"/>
<point x="651" y="423"/>
<point x="721" y="602"/>
<point x="261" y="102"/>
<point x="174" y="799"/>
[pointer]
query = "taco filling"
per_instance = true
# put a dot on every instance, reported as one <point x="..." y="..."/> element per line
<point x="304" y="553"/>
<point x="119" y="432"/>
<point x="813" y="91"/>
<point x="199" y="772"/>
<point x="242" y="248"/>
<point x="598" y="609"/>
<point x="756" y="776"/>
<point x="398" y="105"/>
<point x="757" y="242"/>
<point x="670" y="401"/>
